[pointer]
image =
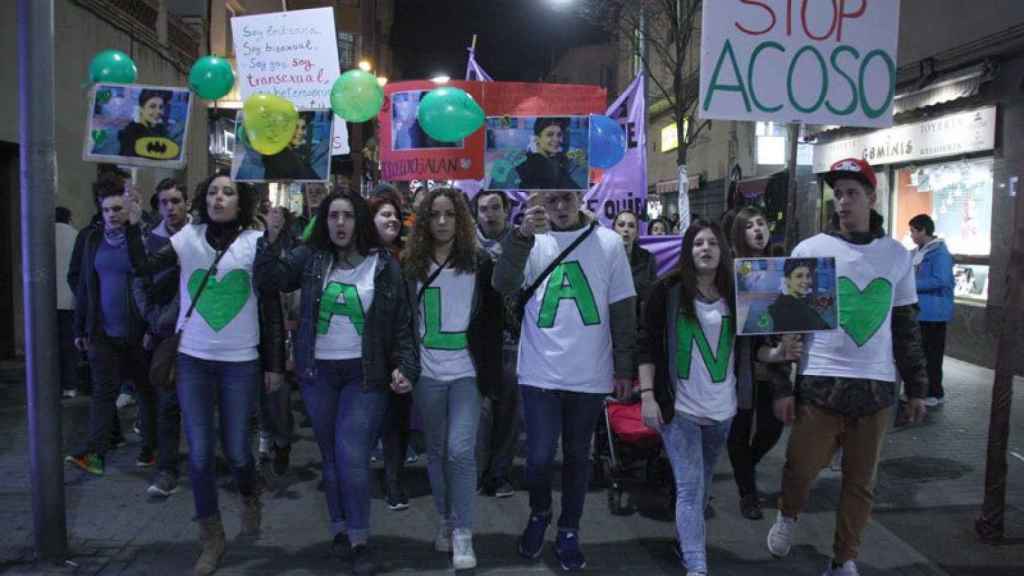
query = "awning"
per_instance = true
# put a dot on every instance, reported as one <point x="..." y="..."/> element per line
<point x="962" y="84"/>
<point x="672" y="186"/>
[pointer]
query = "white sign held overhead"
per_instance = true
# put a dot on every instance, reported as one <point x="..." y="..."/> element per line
<point x="293" y="55"/>
<point x="339" y="142"/>
<point x="811" y="61"/>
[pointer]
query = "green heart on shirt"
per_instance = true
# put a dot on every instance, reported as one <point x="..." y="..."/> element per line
<point x="222" y="299"/>
<point x="862" y="312"/>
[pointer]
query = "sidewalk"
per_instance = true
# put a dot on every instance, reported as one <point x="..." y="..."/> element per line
<point x="930" y="488"/>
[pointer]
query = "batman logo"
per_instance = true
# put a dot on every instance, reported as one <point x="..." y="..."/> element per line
<point x="157" y="148"/>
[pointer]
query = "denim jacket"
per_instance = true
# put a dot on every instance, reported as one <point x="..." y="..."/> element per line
<point x="388" y="340"/>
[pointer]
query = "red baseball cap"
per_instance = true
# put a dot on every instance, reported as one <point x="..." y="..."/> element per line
<point x="855" y="168"/>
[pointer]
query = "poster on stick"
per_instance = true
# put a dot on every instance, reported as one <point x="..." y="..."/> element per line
<point x="293" y="55"/>
<point x="137" y="125"/>
<point x="307" y="158"/>
<point x="785" y="295"/>
<point x="799" y="61"/>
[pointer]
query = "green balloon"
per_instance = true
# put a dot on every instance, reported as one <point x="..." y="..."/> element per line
<point x="211" y="77"/>
<point x="356" y="96"/>
<point x="112" y="66"/>
<point x="449" y="114"/>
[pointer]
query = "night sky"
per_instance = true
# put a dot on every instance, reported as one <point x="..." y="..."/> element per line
<point x="517" y="39"/>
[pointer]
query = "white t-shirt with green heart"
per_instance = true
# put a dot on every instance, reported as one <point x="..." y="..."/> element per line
<point x="344" y="304"/>
<point x="225" y="324"/>
<point x="444" y="315"/>
<point x="872" y="279"/>
<point x="566" y="341"/>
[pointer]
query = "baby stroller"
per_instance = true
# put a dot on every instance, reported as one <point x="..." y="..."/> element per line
<point x="628" y="452"/>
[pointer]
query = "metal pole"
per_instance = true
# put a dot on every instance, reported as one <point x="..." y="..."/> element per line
<point x="792" y="220"/>
<point x="38" y="160"/>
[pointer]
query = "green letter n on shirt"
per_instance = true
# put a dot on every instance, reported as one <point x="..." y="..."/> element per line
<point x="688" y="331"/>
<point x="434" y="337"/>
<point x="568" y="282"/>
<point x="342" y="300"/>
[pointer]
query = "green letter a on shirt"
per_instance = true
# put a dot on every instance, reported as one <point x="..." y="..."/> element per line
<point x="435" y="338"/>
<point x="343" y="300"/>
<point x="567" y="281"/>
<point x="688" y="331"/>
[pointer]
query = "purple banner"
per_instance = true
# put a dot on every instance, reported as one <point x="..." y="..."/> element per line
<point x="624" y="186"/>
<point x="666" y="251"/>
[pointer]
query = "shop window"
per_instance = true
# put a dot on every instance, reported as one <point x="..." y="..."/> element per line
<point x="958" y="197"/>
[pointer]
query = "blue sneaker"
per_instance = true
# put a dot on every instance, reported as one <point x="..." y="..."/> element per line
<point x="531" y="543"/>
<point x="567" y="550"/>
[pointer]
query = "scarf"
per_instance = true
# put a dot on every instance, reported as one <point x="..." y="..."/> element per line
<point x="115" y="237"/>
<point x="920" y="253"/>
<point x="221" y="235"/>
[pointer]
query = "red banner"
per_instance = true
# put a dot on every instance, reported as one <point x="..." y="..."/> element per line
<point x="408" y="153"/>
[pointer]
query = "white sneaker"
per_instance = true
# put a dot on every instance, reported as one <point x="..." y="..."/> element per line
<point x="933" y="401"/>
<point x="463" y="557"/>
<point x="443" y="540"/>
<point x="849" y="568"/>
<point x="69" y="393"/>
<point x="124" y="400"/>
<point x="780" y="537"/>
<point x="264" y="446"/>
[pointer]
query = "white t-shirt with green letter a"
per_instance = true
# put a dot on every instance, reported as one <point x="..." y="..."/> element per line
<point x="566" y="340"/>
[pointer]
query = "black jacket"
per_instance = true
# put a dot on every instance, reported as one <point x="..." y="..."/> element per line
<point x="791" y="314"/>
<point x="486" y="324"/>
<point x="388" y="335"/>
<point x="87" y="292"/>
<point x="539" y="172"/>
<point x="147" y="267"/>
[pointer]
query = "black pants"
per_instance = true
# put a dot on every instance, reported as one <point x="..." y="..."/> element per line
<point x="395" y="436"/>
<point x="111" y="361"/>
<point x="933" y="336"/>
<point x="499" y="426"/>
<point x="746" y="451"/>
<point x="69" y="355"/>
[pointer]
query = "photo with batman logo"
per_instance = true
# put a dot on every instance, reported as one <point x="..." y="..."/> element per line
<point x="138" y="125"/>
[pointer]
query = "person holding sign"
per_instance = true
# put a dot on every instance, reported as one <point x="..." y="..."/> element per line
<point x="218" y="357"/>
<point x="576" y="347"/>
<point x="846" y="380"/>
<point x="459" y="324"/>
<point x="353" y="343"/>
<point x="688" y="381"/>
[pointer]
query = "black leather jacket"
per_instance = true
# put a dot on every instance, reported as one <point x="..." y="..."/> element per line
<point x="87" y="292"/>
<point x="388" y="336"/>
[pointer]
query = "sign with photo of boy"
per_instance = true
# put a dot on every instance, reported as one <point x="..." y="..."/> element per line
<point x="137" y="125"/>
<point x="785" y="295"/>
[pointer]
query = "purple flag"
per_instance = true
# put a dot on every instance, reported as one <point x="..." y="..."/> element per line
<point x="473" y="72"/>
<point x="666" y="250"/>
<point x="624" y="186"/>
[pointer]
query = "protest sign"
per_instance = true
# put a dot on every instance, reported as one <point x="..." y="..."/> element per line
<point x="784" y="295"/>
<point x="307" y="158"/>
<point x="808" y="61"/>
<point x="293" y="55"/>
<point x="536" y="153"/>
<point x="137" y="125"/>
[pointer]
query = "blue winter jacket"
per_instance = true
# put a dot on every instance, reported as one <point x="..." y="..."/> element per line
<point x="934" y="275"/>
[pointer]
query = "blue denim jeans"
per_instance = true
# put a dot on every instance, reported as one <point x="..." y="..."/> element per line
<point x="202" y="386"/>
<point x="451" y="413"/>
<point x="693" y="450"/>
<point x="550" y="414"/>
<point x="346" y="417"/>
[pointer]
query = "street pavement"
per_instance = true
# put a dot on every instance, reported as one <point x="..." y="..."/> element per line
<point x="930" y="487"/>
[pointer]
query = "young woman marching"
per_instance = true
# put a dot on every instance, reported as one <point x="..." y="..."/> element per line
<point x="459" y="323"/>
<point x="687" y="380"/>
<point x="750" y="238"/>
<point x="218" y="360"/>
<point x="354" y="341"/>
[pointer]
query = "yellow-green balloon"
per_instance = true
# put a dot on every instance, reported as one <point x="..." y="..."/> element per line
<point x="211" y="77"/>
<point x="269" y="122"/>
<point x="356" y="96"/>
<point x="449" y="114"/>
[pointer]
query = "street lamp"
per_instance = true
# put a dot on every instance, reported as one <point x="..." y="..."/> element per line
<point x="382" y="80"/>
<point x="441" y="79"/>
<point x="364" y="65"/>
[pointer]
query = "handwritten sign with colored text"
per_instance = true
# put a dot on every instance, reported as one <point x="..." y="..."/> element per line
<point x="812" y="61"/>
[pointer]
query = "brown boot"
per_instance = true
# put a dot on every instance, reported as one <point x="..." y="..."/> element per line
<point x="251" y="514"/>
<point x="211" y="536"/>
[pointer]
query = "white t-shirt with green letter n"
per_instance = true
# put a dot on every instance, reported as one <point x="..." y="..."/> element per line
<point x="445" y="310"/>
<point x="225" y="323"/>
<point x="566" y="341"/>
<point x="704" y="363"/>
<point x="344" y="304"/>
<point x="872" y="279"/>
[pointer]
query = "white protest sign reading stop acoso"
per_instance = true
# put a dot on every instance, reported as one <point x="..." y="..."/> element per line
<point x="812" y="61"/>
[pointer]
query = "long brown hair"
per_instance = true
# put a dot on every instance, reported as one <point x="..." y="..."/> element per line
<point x="739" y="232"/>
<point x="418" y="254"/>
<point x="686" y="272"/>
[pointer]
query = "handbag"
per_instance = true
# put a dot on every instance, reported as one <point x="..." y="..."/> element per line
<point x="165" y="355"/>
<point x="515" y="304"/>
